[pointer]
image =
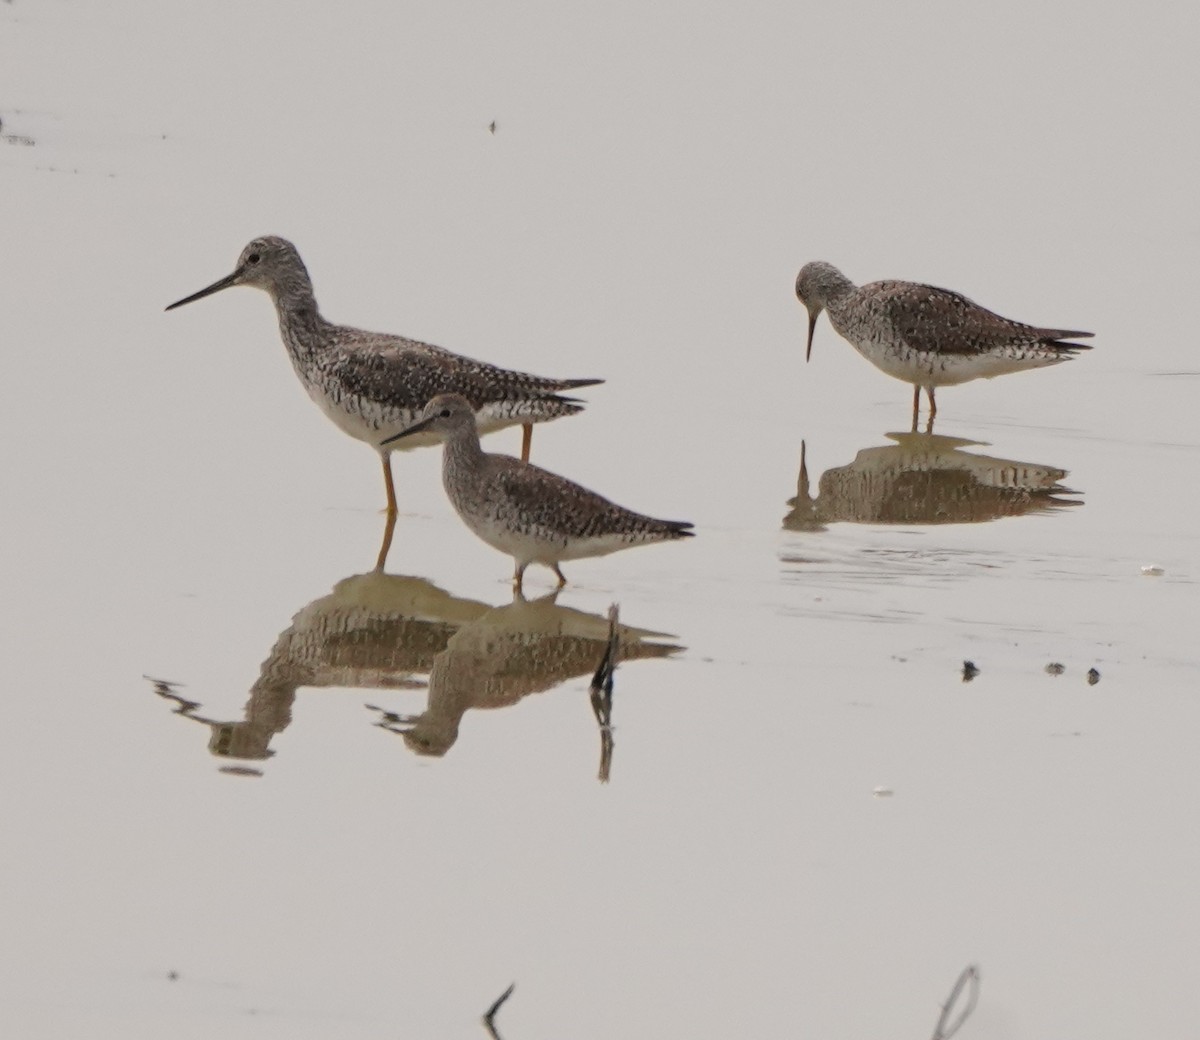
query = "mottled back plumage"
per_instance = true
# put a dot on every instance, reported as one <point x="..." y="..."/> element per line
<point x="939" y="321"/>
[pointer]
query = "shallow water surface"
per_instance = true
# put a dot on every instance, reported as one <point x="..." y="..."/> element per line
<point x="257" y="787"/>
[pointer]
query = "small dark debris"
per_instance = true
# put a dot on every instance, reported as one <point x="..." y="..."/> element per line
<point x="1054" y="668"/>
<point x="1093" y="676"/>
<point x="172" y="976"/>
<point x="969" y="671"/>
<point x="240" y="771"/>
<point x="492" y="128"/>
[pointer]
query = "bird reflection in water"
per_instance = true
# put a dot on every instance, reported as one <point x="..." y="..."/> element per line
<point x="388" y="632"/>
<point x="925" y="478"/>
<point x="373" y="630"/>
<point x="510" y="652"/>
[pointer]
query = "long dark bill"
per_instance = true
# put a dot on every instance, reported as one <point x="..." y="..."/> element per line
<point x="416" y="427"/>
<point x="813" y="325"/>
<point x="224" y="283"/>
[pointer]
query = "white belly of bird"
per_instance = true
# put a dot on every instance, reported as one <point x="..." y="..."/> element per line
<point x="542" y="547"/>
<point x="369" y="421"/>
<point x="926" y="369"/>
<point x="987" y="366"/>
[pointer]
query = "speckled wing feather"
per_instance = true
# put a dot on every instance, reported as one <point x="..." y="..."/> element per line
<point x="550" y="502"/>
<point x="406" y="372"/>
<point x="944" y="322"/>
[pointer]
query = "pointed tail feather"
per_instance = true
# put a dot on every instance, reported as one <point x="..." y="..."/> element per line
<point x="679" y="528"/>
<point x="1056" y="338"/>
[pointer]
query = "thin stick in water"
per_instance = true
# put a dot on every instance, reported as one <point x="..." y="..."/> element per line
<point x="489" y="1018"/>
<point x="945" y="1029"/>
<point x="601" y="693"/>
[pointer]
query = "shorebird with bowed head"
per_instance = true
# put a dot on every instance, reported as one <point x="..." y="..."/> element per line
<point x="372" y="384"/>
<point x="532" y="515"/>
<point x="927" y="336"/>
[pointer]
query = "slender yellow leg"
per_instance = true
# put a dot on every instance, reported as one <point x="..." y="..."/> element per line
<point x="388" y="529"/>
<point x="386" y="456"/>
<point x="526" y="440"/>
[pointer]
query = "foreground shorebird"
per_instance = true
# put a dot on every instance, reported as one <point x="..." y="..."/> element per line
<point x="926" y="336"/>
<point x="372" y="384"/>
<point x="531" y="514"/>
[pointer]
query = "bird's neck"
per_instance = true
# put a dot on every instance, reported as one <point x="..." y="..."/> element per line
<point x="462" y="453"/>
<point x="454" y="682"/>
<point x="835" y="288"/>
<point x="300" y="321"/>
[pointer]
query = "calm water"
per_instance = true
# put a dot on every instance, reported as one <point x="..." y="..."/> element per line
<point x="368" y="802"/>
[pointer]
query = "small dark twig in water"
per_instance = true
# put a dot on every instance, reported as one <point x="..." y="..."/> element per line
<point x="1093" y="676"/>
<point x="969" y="671"/>
<point x="945" y="1029"/>
<point x="489" y="1018"/>
<point x="601" y="693"/>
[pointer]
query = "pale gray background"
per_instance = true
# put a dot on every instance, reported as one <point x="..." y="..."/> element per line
<point x="658" y="174"/>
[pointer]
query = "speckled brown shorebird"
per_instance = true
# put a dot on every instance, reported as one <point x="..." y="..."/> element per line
<point x="532" y="515"/>
<point x="926" y="336"/>
<point x="372" y="384"/>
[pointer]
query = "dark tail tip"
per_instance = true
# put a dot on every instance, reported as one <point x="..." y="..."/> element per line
<point x="1058" y="339"/>
<point x="566" y="406"/>
<point x="1070" y="349"/>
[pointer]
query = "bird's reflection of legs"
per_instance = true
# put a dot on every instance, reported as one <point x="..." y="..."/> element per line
<point x="389" y="529"/>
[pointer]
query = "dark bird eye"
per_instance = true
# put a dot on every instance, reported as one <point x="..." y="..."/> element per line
<point x="445" y="413"/>
<point x="253" y="258"/>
